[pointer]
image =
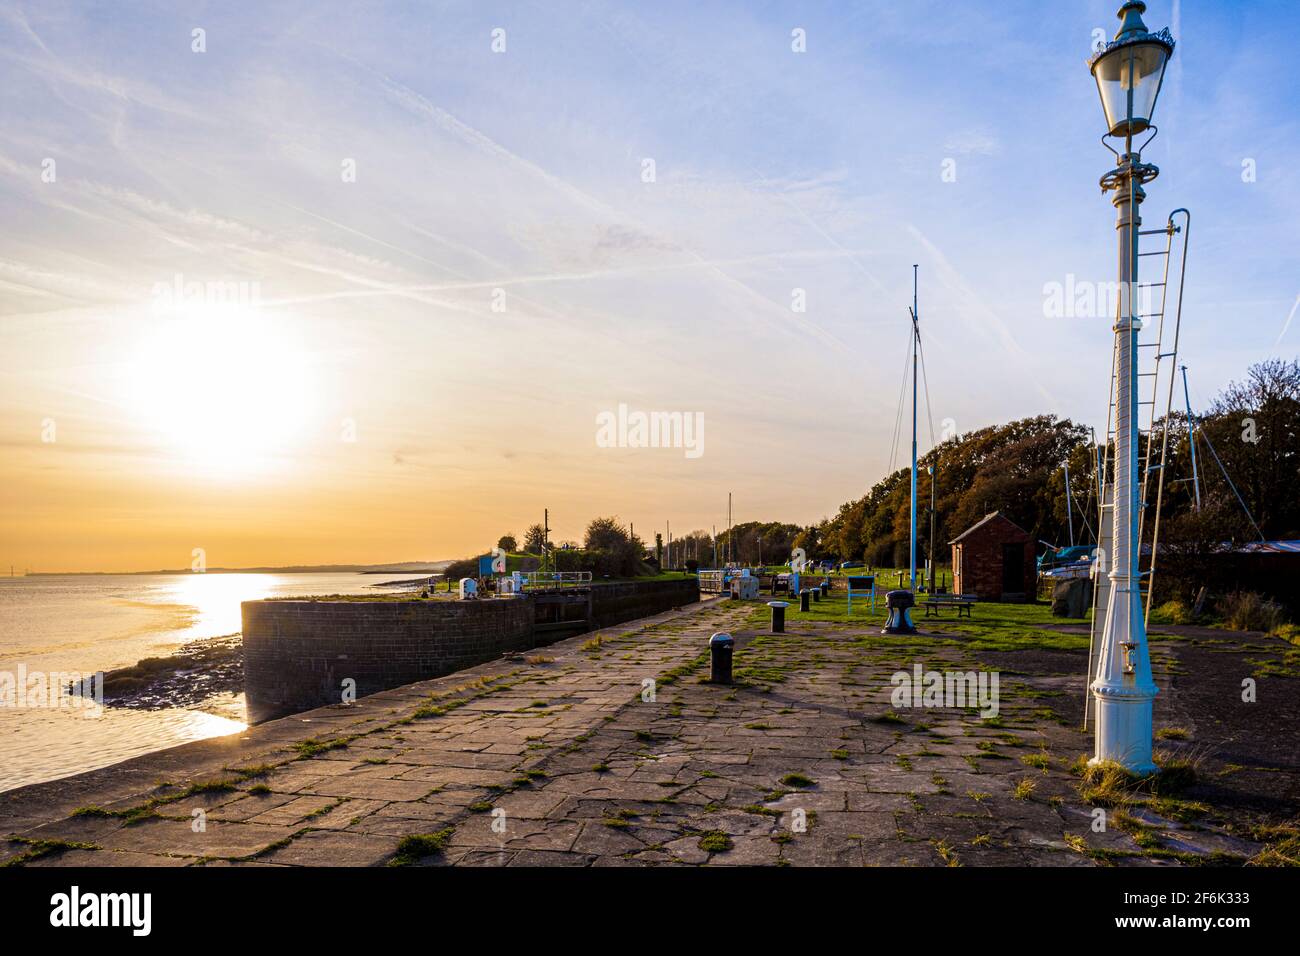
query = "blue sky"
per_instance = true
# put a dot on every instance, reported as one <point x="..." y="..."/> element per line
<point x="522" y="171"/>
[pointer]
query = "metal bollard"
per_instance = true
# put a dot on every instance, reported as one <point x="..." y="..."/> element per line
<point x="778" y="615"/>
<point x="804" y="598"/>
<point x="825" y="587"/>
<point x="817" y="594"/>
<point x="899" y="603"/>
<point x="721" y="647"/>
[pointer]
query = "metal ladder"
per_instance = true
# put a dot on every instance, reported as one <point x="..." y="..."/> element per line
<point x="1160" y="353"/>
<point x="1163" y="375"/>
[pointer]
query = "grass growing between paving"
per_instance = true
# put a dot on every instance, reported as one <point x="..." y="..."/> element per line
<point x="416" y="847"/>
<point x="36" y="849"/>
<point x="1173" y="817"/>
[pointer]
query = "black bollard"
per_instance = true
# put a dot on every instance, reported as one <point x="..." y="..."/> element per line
<point x="778" y="615"/>
<point x="817" y="594"/>
<point x="721" y="647"/>
<point x="825" y="588"/>
<point x="899" y="603"/>
<point x="804" y="598"/>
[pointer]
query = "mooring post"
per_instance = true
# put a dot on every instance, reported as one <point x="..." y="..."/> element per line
<point x="778" y="615"/>
<point x="721" y="647"/>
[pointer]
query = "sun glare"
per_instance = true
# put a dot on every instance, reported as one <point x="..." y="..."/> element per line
<point x="227" y="388"/>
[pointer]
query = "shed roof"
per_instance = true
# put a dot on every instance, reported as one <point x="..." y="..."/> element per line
<point x="985" y="520"/>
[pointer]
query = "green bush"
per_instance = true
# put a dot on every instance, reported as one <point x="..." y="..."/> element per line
<point x="1248" y="611"/>
<point x="465" y="568"/>
<point x="1289" y="632"/>
<point x="1172" y="612"/>
<point x="599" y="561"/>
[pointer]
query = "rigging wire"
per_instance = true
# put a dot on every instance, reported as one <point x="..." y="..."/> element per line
<point x="1249" y="517"/>
<point x="1194" y="426"/>
<point x="898" y="417"/>
<point x="929" y="410"/>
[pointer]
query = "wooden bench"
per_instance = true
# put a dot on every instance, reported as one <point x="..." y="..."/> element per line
<point x="934" y="603"/>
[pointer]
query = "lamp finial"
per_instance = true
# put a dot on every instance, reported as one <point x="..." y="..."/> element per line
<point x="1130" y="16"/>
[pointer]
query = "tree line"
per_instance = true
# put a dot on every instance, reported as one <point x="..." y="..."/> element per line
<point x="1250" y="434"/>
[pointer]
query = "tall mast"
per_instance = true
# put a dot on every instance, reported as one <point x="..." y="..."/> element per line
<point x="916" y="337"/>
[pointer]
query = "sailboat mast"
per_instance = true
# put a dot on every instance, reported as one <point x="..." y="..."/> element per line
<point x="1069" y="505"/>
<point x="1191" y="439"/>
<point x="916" y="336"/>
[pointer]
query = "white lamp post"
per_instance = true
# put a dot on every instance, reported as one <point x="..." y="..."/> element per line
<point x="1128" y="71"/>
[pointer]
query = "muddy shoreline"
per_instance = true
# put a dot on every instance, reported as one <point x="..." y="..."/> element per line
<point x="206" y="675"/>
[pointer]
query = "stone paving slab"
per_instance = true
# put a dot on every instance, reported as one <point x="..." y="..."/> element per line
<point x="618" y="752"/>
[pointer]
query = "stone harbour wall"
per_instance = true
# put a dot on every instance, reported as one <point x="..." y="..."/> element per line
<point x="299" y="653"/>
<point x="628" y="600"/>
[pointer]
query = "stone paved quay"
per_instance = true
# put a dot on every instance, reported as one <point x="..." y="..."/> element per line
<point x="555" y="758"/>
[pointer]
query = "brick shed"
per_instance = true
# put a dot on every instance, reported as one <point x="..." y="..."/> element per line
<point x="994" y="558"/>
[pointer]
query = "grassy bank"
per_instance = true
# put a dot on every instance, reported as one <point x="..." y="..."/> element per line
<point x="993" y="625"/>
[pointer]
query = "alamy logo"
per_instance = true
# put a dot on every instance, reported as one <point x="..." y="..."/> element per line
<point x="181" y="293"/>
<point x="54" y="690"/>
<point x="74" y="908"/>
<point x="1083" y="299"/>
<point x="635" y="429"/>
<point x="922" y="688"/>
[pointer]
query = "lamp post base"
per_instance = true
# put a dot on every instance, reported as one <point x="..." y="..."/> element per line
<point x="1123" y="731"/>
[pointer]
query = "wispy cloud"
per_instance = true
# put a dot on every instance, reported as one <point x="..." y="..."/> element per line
<point x="500" y="265"/>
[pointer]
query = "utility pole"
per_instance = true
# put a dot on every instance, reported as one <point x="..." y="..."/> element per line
<point x="546" y="537"/>
<point x="730" y="549"/>
<point x="1191" y="439"/>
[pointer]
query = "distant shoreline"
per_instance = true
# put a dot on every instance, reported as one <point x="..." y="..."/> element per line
<point x="431" y="567"/>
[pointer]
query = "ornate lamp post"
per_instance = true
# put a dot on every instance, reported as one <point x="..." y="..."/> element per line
<point x="1128" y="71"/>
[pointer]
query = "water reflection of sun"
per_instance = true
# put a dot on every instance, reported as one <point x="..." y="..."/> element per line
<point x="200" y="725"/>
<point x="215" y="598"/>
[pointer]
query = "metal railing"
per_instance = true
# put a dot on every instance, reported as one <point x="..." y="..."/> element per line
<point x="536" y="580"/>
<point x="713" y="582"/>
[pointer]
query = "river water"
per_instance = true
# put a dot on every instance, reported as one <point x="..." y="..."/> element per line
<point x="81" y="624"/>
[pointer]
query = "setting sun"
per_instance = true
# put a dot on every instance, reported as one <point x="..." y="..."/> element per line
<point x="227" y="389"/>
